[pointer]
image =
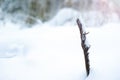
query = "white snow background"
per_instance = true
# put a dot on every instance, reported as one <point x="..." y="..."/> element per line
<point x="50" y="52"/>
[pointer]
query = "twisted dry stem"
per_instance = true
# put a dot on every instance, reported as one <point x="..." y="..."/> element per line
<point x="85" y="47"/>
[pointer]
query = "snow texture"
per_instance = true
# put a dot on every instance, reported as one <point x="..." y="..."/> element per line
<point x="47" y="52"/>
<point x="65" y="16"/>
<point x="54" y="53"/>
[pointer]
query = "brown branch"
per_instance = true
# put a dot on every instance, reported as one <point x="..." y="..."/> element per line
<point x="85" y="47"/>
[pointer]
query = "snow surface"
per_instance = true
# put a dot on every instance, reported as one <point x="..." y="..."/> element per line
<point x="65" y="16"/>
<point x="52" y="51"/>
<point x="104" y="53"/>
<point x="41" y="54"/>
<point x="55" y="53"/>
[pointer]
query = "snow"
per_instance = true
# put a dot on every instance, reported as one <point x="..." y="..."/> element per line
<point x="65" y="16"/>
<point x="92" y="18"/>
<point x="104" y="53"/>
<point x="55" y="53"/>
<point x="52" y="50"/>
<point x="36" y="57"/>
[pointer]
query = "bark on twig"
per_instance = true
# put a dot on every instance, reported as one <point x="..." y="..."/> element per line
<point x="85" y="46"/>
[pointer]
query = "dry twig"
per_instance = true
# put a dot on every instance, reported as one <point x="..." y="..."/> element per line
<point x="85" y="47"/>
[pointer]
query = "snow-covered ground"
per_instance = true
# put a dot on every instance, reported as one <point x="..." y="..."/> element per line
<point x="52" y="50"/>
<point x="41" y="54"/>
<point x="104" y="52"/>
<point x="54" y="53"/>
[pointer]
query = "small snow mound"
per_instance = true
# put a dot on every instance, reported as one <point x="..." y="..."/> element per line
<point x="64" y="16"/>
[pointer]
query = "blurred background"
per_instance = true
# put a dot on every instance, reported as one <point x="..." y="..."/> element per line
<point x="93" y="12"/>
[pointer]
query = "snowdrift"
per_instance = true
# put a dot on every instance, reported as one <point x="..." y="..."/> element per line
<point x="54" y="53"/>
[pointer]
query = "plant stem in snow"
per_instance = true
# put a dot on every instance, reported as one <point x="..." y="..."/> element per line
<point x="84" y="45"/>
